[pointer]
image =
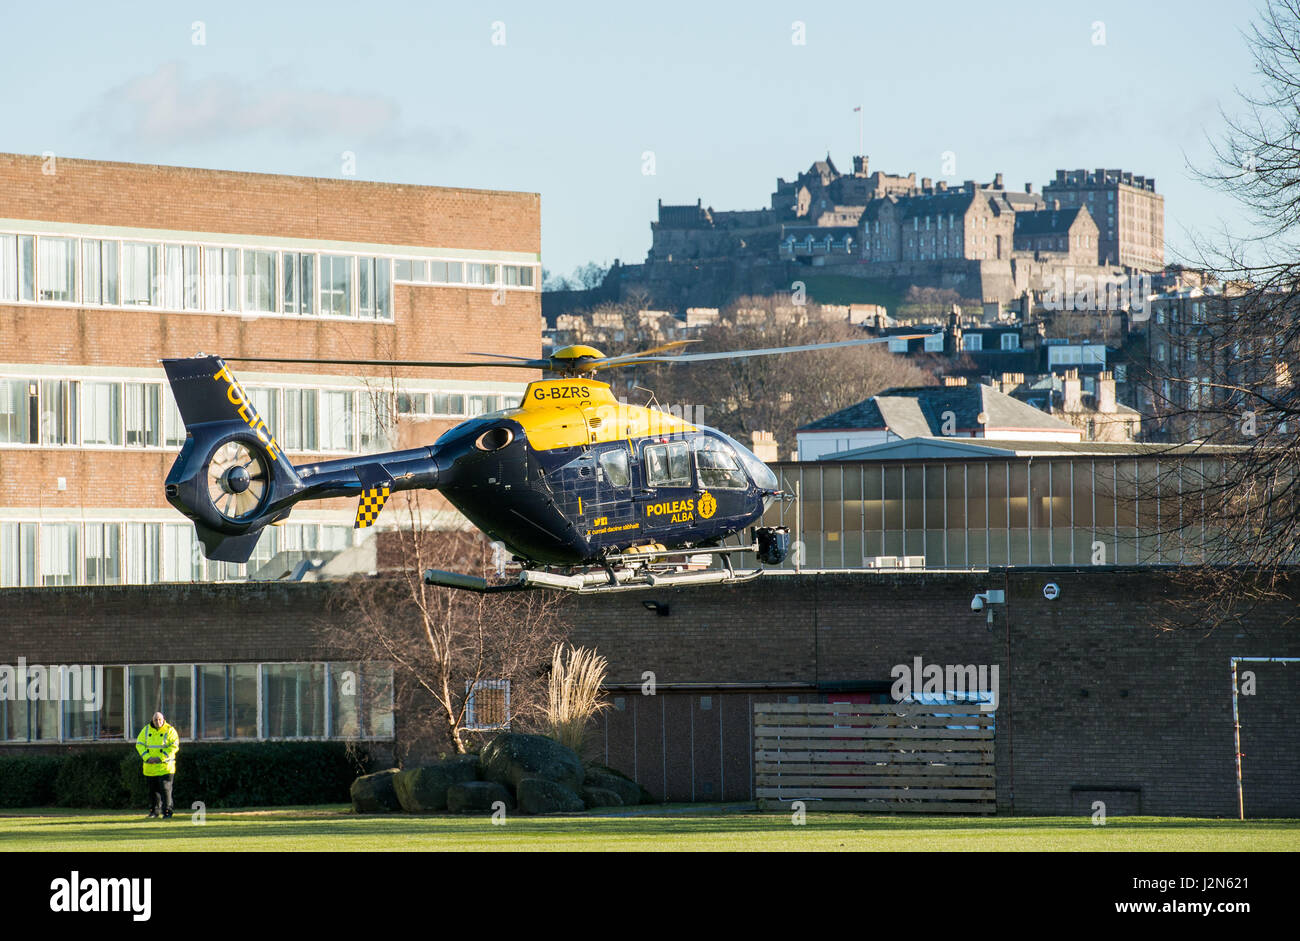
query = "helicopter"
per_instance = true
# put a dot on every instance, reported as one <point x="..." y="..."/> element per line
<point x="588" y="493"/>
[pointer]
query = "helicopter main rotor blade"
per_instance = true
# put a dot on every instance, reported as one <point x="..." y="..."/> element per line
<point x="525" y="364"/>
<point x="741" y="354"/>
<point x="633" y="357"/>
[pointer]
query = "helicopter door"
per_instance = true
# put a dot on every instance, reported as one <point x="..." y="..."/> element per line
<point x="611" y="511"/>
<point x="722" y="479"/>
<point x="667" y="503"/>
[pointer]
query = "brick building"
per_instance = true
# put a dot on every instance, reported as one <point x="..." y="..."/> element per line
<point x="105" y="268"/>
<point x="1095" y="701"/>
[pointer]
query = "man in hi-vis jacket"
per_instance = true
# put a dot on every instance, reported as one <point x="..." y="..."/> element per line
<point x="157" y="745"/>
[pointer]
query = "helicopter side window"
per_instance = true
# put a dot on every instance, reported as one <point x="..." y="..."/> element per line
<point x="668" y="465"/>
<point x="717" y="466"/>
<point x="614" y="464"/>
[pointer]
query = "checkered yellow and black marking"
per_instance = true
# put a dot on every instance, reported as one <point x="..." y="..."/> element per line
<point x="372" y="501"/>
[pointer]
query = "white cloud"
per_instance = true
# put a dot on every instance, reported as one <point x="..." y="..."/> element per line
<point x="169" y="107"/>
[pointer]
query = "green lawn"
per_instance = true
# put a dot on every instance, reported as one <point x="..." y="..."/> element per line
<point x="670" y="828"/>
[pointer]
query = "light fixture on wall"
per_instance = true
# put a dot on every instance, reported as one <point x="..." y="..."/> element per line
<point x="658" y="607"/>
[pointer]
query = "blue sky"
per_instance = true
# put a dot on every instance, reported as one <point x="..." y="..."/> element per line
<point x="578" y="92"/>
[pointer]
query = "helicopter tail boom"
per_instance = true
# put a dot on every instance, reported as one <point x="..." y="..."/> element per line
<point x="233" y="479"/>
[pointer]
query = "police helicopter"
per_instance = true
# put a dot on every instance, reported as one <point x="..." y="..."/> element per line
<point x="589" y="494"/>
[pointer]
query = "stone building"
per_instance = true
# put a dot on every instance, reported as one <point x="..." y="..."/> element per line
<point x="1064" y="236"/>
<point x="964" y="238"/>
<point x="1130" y="215"/>
<point x="1202" y="342"/>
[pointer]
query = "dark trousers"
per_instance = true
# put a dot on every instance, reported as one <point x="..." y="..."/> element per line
<point x="160" y="792"/>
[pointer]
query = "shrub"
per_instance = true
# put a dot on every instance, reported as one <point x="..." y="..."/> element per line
<point x="91" y="779"/>
<point x="28" y="780"/>
<point x="220" y="775"/>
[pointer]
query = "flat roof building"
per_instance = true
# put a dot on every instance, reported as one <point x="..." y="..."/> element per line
<point x="928" y="501"/>
<point x="107" y="267"/>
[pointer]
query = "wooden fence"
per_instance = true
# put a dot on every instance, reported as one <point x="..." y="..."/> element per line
<point x="899" y="757"/>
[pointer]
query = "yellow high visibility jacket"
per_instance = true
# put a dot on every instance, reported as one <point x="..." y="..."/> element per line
<point x="161" y="743"/>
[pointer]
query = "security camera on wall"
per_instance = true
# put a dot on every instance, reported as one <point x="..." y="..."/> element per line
<point x="977" y="603"/>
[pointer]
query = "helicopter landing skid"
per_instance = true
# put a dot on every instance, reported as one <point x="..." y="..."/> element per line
<point x="635" y="571"/>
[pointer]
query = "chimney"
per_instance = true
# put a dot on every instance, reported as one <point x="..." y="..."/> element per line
<point x="1072" y="392"/>
<point x="942" y="186"/>
<point x="954" y="380"/>
<point x="764" y="446"/>
<point x="968" y="186"/>
<point x="997" y="181"/>
<point x="1060" y="176"/>
<point x="1106" y="393"/>
<point x="1029" y="188"/>
<point x="926" y="184"/>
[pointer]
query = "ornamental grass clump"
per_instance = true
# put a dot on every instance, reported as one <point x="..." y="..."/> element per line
<point x="574" y="694"/>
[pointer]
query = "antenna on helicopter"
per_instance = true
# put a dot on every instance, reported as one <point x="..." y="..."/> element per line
<point x="652" y="402"/>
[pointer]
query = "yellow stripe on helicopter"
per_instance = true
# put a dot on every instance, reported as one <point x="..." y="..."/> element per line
<point x="565" y="413"/>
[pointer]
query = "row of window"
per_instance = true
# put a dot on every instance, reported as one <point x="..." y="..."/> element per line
<point x="203" y="702"/>
<point x="112" y="553"/>
<point x="140" y="414"/>
<point x="208" y="278"/>
<point x="975" y="514"/>
<point x="933" y="344"/>
<point x="420" y="271"/>
<point x="975" y="341"/>
<point x="1077" y="354"/>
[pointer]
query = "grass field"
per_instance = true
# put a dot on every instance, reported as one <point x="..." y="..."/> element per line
<point x="336" y="828"/>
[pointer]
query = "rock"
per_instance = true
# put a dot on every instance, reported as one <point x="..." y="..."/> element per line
<point x="375" y="794"/>
<point x="600" y="797"/>
<point x="473" y="796"/>
<point x="628" y="791"/>
<point x="541" y="796"/>
<point x="512" y="756"/>
<point x="424" y="789"/>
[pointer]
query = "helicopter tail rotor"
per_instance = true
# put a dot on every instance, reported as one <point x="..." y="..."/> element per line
<point x="231" y="477"/>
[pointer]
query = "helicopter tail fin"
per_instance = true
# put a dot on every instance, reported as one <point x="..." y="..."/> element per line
<point x="231" y="478"/>
<point x="207" y="392"/>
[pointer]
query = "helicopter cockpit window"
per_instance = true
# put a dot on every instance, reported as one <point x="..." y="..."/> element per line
<point x="717" y="466"/>
<point x="668" y="465"/>
<point x="614" y="464"/>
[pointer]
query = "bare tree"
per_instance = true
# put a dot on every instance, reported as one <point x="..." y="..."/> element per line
<point x="449" y="648"/>
<point x="783" y="392"/>
<point x="1238" y="348"/>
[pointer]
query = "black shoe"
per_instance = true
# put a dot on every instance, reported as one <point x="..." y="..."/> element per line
<point x="153" y="813"/>
<point x="168" y="815"/>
